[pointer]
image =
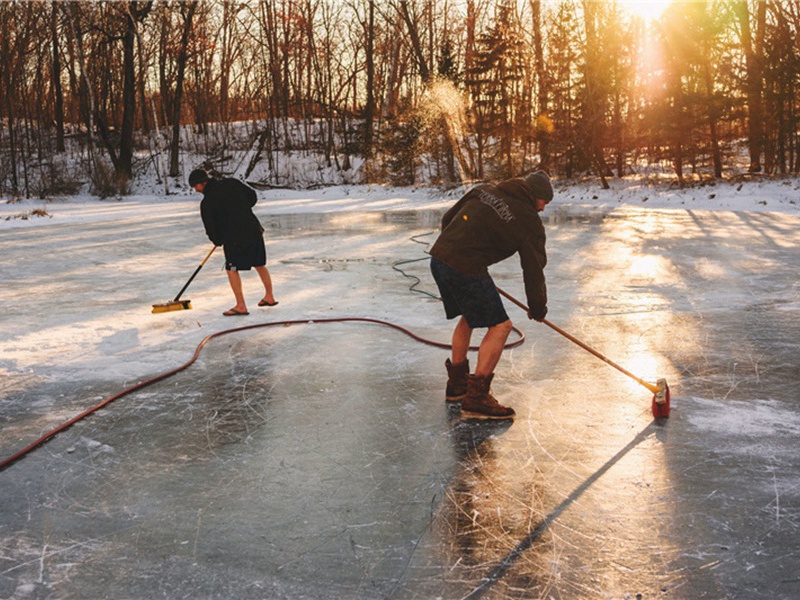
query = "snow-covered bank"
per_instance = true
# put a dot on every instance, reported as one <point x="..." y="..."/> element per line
<point x="776" y="195"/>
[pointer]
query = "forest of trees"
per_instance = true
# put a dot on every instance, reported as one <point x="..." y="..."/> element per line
<point x="99" y="91"/>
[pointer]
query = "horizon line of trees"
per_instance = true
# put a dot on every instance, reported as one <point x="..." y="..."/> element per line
<point x="477" y="88"/>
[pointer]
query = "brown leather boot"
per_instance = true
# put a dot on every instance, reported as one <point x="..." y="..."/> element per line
<point x="479" y="402"/>
<point x="456" y="380"/>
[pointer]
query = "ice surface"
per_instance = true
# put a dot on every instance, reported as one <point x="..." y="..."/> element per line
<point x="319" y="460"/>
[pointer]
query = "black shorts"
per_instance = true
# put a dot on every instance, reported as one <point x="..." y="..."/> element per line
<point x="473" y="296"/>
<point x="244" y="258"/>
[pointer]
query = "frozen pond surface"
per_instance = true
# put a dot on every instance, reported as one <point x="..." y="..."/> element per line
<point x="320" y="460"/>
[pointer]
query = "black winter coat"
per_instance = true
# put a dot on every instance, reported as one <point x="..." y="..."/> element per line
<point x="489" y="224"/>
<point x="227" y="213"/>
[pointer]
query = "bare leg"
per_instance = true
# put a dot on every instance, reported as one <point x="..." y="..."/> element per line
<point x="461" y="338"/>
<point x="236" y="285"/>
<point x="263" y="273"/>
<point x="492" y="348"/>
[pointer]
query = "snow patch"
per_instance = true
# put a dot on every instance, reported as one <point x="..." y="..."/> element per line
<point x="752" y="419"/>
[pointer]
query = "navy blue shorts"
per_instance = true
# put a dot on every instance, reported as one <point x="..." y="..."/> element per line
<point x="244" y="258"/>
<point x="473" y="296"/>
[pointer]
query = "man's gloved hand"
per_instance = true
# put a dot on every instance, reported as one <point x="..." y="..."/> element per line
<point x="538" y="313"/>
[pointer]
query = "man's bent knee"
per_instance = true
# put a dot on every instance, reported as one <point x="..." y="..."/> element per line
<point x="505" y="327"/>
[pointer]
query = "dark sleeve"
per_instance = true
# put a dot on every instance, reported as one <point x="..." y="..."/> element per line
<point x="210" y="222"/>
<point x="533" y="258"/>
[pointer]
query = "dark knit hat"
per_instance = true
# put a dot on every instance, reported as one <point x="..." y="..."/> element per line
<point x="197" y="176"/>
<point x="539" y="183"/>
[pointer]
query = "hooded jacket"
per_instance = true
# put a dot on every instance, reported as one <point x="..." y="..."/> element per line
<point x="490" y="223"/>
<point x="227" y="213"/>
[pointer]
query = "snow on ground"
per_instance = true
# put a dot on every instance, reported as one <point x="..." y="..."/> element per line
<point x="781" y="195"/>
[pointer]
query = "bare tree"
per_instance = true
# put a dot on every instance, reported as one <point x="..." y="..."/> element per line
<point x="58" y="93"/>
<point x="187" y="11"/>
<point x="135" y="13"/>
<point x="595" y="93"/>
<point x="16" y="44"/>
<point x="422" y="63"/>
<point x="543" y="122"/>
<point x="753" y="48"/>
<point x="369" y="107"/>
<point x="73" y="19"/>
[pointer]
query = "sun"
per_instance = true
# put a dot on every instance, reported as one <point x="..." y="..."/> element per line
<point x="647" y="10"/>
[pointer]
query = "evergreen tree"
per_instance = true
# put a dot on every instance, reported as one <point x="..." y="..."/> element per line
<point x="495" y="83"/>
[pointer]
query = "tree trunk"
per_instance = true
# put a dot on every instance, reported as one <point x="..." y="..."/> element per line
<point x="58" y="93"/>
<point x="6" y="67"/>
<point x="77" y="35"/>
<point x="392" y="83"/>
<point x="191" y="7"/>
<point x="125" y="164"/>
<point x="716" y="155"/>
<point x="677" y="162"/>
<point x="142" y="87"/>
<point x="369" y="108"/>
<point x="594" y="93"/>
<point x="422" y="65"/>
<point x="542" y="134"/>
<point x="229" y="10"/>
<point x="12" y="138"/>
<point x="618" y="126"/>
<point x="753" y="51"/>
<point x="469" y="52"/>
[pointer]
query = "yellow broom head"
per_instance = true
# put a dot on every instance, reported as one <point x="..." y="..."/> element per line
<point x="170" y="306"/>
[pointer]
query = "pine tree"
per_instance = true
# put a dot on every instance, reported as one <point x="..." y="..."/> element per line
<point x="495" y="83"/>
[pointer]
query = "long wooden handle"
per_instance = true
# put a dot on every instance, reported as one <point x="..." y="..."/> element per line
<point x="196" y="271"/>
<point x="653" y="388"/>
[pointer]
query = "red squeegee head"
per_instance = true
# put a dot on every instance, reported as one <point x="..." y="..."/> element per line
<point x="660" y="405"/>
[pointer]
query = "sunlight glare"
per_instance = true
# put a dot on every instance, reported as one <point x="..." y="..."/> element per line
<point x="647" y="266"/>
<point x="647" y="10"/>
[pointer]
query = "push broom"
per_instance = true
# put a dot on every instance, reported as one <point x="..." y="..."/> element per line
<point x="660" y="404"/>
<point x="177" y="303"/>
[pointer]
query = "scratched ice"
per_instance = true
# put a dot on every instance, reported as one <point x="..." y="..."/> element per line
<point x="320" y="461"/>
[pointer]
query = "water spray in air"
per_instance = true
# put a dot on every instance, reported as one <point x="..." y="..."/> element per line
<point x="447" y="104"/>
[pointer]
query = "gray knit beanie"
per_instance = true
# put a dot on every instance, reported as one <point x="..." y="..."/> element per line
<point x="539" y="183"/>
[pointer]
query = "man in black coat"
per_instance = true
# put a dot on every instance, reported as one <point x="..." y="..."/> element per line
<point x="488" y="224"/>
<point x="228" y="217"/>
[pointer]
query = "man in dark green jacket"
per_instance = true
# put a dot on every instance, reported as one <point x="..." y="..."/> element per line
<point x="227" y="212"/>
<point x="488" y="224"/>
